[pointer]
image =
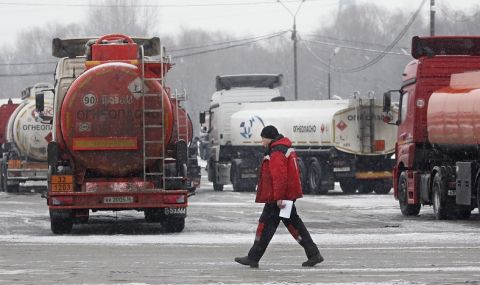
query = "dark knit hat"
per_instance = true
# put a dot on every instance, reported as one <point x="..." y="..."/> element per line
<point x="269" y="132"/>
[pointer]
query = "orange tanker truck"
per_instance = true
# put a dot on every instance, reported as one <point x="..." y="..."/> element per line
<point x="113" y="145"/>
<point x="437" y="150"/>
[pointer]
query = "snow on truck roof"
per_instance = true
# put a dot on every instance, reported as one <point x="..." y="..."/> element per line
<point x="226" y="82"/>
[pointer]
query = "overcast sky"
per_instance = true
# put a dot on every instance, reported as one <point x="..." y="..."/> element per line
<point x="239" y="17"/>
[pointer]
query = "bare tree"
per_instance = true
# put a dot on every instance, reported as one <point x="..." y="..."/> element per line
<point x="119" y="16"/>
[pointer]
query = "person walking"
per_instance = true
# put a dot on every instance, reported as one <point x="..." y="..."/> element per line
<point x="279" y="181"/>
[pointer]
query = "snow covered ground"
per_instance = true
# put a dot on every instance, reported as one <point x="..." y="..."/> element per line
<point x="364" y="238"/>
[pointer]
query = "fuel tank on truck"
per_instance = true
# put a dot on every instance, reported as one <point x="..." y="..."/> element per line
<point x="28" y="131"/>
<point x="341" y="124"/>
<point x="101" y="120"/>
<point x="453" y="117"/>
<point x="7" y="107"/>
<point x="182" y="127"/>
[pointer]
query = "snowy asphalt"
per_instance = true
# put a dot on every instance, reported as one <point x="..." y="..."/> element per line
<point x="364" y="239"/>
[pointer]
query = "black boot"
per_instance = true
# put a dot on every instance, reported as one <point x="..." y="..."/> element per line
<point x="247" y="261"/>
<point x="312" y="261"/>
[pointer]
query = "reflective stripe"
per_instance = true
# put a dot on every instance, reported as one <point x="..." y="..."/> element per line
<point x="289" y="151"/>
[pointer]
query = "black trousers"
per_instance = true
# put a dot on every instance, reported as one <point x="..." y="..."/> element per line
<point x="267" y="226"/>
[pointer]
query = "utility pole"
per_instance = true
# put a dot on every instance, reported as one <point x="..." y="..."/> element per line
<point x="294" y="39"/>
<point x="432" y="18"/>
<point x="295" y="71"/>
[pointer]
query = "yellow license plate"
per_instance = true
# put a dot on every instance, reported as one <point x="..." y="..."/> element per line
<point x="62" y="187"/>
<point x="62" y="183"/>
<point x="62" y="179"/>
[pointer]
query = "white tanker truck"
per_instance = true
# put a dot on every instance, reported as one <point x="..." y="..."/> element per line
<point x="336" y="140"/>
<point x="25" y="149"/>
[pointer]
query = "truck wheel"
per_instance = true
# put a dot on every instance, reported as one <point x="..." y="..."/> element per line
<point x="61" y="221"/>
<point x="1" y="176"/>
<point x="6" y="188"/>
<point x="382" y="187"/>
<point x="236" y="180"/>
<point x="239" y="184"/>
<point x="217" y="187"/>
<point x="440" y="206"/>
<point x="315" y="176"/>
<point x="348" y="185"/>
<point x="173" y="225"/>
<point x="405" y="208"/>
<point x="303" y="170"/>
<point x="153" y="215"/>
<point x="478" y="197"/>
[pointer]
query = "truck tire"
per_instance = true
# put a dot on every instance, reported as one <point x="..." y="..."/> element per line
<point x="217" y="187"/>
<point x="405" y="208"/>
<point x="241" y="184"/>
<point x="440" y="207"/>
<point x="315" y="176"/>
<point x="478" y="196"/>
<point x="173" y="224"/>
<point x="382" y="187"/>
<point x="61" y="221"/>
<point x="5" y="186"/>
<point x="235" y="178"/>
<point x="445" y="208"/>
<point x="348" y="185"/>
<point x="1" y="176"/>
<point x="303" y="170"/>
<point x="212" y="176"/>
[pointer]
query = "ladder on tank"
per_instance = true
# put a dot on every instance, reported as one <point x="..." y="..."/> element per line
<point x="148" y="174"/>
<point x="366" y="123"/>
<point x="182" y="123"/>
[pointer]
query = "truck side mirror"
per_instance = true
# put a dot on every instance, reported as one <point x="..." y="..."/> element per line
<point x="387" y="107"/>
<point x="39" y="102"/>
<point x="387" y="101"/>
<point x="202" y="117"/>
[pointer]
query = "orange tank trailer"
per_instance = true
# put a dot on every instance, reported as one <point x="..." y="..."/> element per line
<point x="112" y="147"/>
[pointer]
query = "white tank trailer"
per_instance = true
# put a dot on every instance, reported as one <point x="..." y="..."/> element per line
<point x="336" y="140"/>
<point x="24" y="161"/>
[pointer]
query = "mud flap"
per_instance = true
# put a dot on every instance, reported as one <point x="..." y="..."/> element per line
<point x="464" y="183"/>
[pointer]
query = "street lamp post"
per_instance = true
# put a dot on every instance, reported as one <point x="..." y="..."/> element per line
<point x="294" y="39"/>
<point x="335" y="51"/>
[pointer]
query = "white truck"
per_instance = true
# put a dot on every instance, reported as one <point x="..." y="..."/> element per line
<point x="342" y="140"/>
<point x="232" y="92"/>
<point x="24" y="159"/>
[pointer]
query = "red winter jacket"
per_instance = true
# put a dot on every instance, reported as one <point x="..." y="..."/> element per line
<point x="279" y="178"/>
